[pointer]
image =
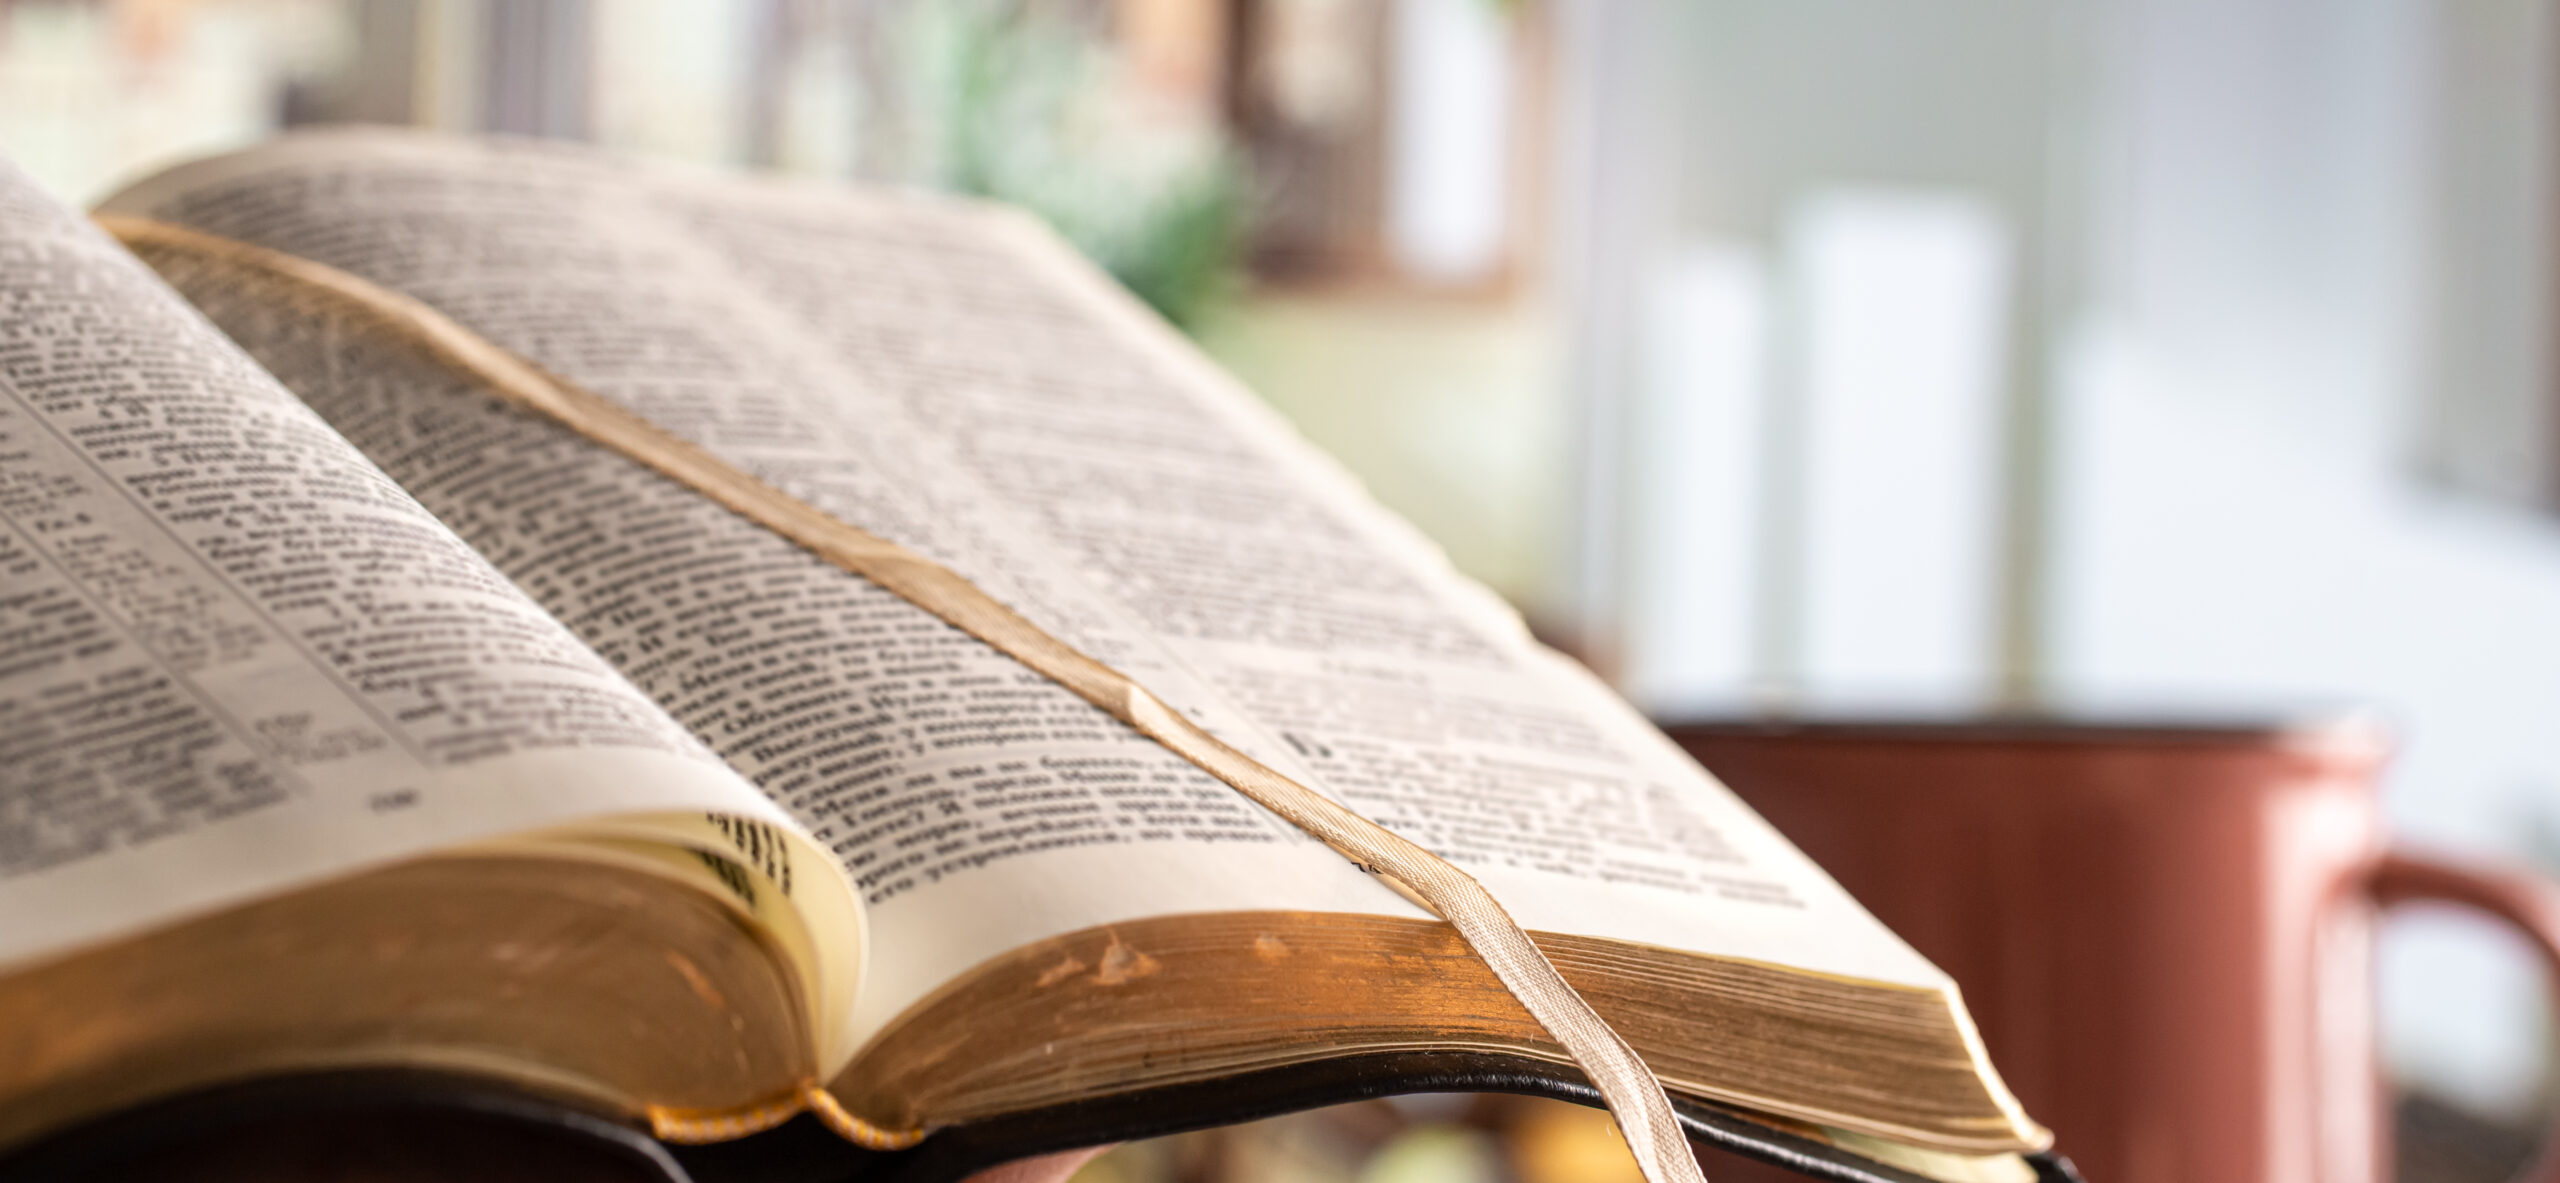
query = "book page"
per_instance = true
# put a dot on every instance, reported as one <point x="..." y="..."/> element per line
<point x="951" y="377"/>
<point x="234" y="656"/>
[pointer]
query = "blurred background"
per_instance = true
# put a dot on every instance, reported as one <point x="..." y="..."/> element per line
<point x="2180" y="352"/>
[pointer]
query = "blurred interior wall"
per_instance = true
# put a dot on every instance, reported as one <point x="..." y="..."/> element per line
<point x="1883" y="192"/>
<point x="2258" y="291"/>
<point x="2305" y="248"/>
<point x="2489" y="132"/>
<point x="88" y="89"/>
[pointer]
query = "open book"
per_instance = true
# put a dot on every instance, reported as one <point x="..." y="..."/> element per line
<point x="352" y="717"/>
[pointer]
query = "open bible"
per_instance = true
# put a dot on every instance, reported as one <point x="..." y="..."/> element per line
<point x="352" y="716"/>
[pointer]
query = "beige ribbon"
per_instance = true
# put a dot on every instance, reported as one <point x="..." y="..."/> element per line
<point x="1634" y="1096"/>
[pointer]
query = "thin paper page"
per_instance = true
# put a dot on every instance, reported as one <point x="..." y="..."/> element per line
<point x="978" y="806"/>
<point x="954" y="379"/>
<point x="238" y="657"/>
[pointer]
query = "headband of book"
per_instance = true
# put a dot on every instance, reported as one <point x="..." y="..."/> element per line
<point x="1633" y="1094"/>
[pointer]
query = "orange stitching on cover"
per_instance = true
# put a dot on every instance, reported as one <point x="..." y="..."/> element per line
<point x="696" y="1126"/>
<point x="853" y="1129"/>
<point x="693" y="1127"/>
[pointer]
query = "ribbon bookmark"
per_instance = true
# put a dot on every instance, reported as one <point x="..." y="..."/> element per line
<point x="1631" y="1091"/>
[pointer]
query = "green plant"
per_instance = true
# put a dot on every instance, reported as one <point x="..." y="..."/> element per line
<point x="1028" y="107"/>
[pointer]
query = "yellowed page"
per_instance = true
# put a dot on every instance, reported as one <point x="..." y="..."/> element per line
<point x="952" y="379"/>
<point x="235" y="658"/>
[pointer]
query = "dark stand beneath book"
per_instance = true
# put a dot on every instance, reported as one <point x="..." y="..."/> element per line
<point x="423" y="1126"/>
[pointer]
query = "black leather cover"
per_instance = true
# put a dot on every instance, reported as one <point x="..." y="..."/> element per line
<point x="141" y="1142"/>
